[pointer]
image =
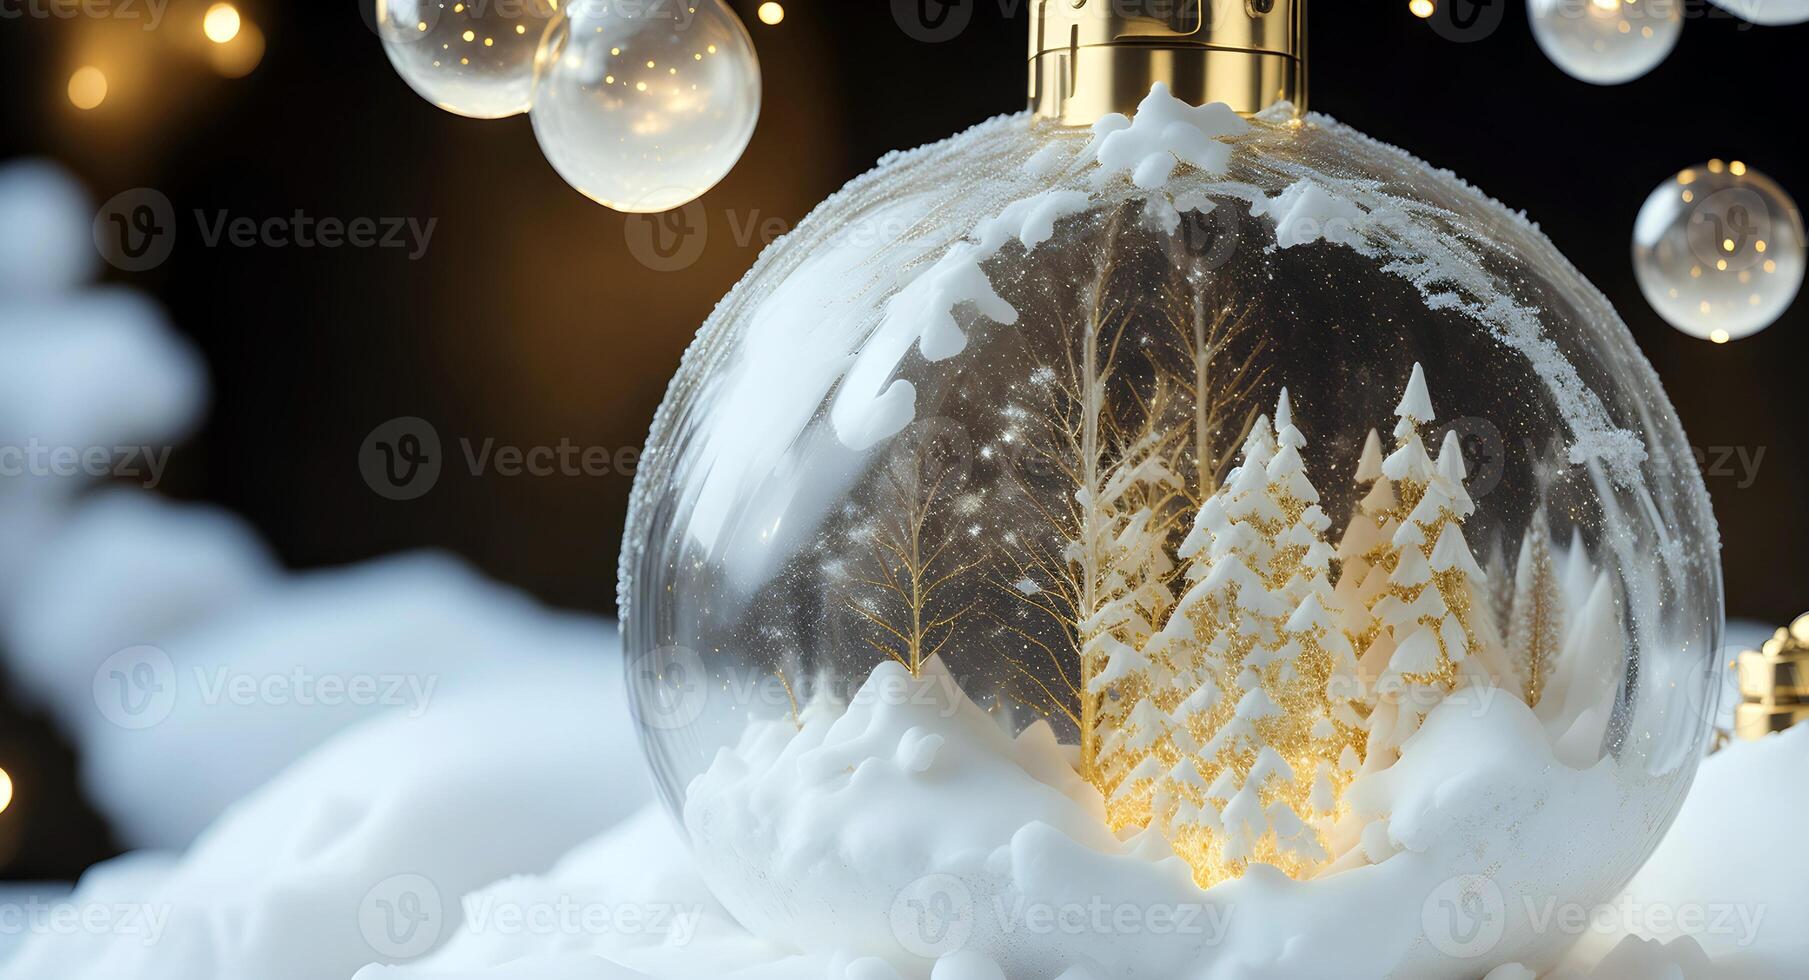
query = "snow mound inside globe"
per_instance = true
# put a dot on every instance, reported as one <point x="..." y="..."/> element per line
<point x="1197" y="546"/>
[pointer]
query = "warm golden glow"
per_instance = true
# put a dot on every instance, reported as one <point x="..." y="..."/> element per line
<point x="6" y="790"/>
<point x="221" y="23"/>
<point x="238" y="57"/>
<point x="1719" y="336"/>
<point x="771" y="13"/>
<point x="1422" y="8"/>
<point x="87" y="87"/>
<point x="1737" y="168"/>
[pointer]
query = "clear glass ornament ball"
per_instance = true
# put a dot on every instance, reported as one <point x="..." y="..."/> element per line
<point x="975" y="498"/>
<point x="474" y="58"/>
<point x="1606" y="42"/>
<point x="1719" y="251"/>
<point x="644" y="107"/>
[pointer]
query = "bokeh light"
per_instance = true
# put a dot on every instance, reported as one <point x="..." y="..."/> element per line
<point x="87" y="87"/>
<point x="222" y="22"/>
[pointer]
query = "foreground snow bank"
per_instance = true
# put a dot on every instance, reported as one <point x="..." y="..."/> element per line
<point x="1730" y="875"/>
<point x="909" y="828"/>
<point x="360" y="852"/>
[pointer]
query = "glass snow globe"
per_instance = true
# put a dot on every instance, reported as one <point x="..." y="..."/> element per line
<point x="1167" y="534"/>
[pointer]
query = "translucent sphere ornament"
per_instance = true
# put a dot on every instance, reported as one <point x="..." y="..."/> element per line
<point x="1163" y="500"/>
<point x="644" y="107"/>
<point x="1719" y="251"/>
<point x="1768" y="12"/>
<point x="1606" y="42"/>
<point x="472" y="57"/>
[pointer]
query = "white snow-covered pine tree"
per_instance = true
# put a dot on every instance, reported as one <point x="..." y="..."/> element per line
<point x="1123" y="564"/>
<point x="1431" y="614"/>
<point x="1260" y="762"/>
<point x="1167" y="679"/>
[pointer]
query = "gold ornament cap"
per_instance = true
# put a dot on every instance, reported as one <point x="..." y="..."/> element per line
<point x="1774" y="683"/>
<point x="1089" y="58"/>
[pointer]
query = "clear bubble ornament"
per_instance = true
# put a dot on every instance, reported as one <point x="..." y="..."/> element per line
<point x="471" y="57"/>
<point x="1089" y="488"/>
<point x="1719" y="251"/>
<point x="1606" y="42"/>
<point x="644" y="107"/>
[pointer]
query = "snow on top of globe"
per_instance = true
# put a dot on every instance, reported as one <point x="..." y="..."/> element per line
<point x="1164" y="150"/>
<point x="1165" y="133"/>
<point x="900" y="269"/>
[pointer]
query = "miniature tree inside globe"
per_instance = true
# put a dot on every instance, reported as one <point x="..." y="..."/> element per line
<point x="1177" y="502"/>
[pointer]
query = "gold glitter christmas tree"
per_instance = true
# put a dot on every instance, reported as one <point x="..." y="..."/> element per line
<point x="1232" y="752"/>
<point x="1536" y="626"/>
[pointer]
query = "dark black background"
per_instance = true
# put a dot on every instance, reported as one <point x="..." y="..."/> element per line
<point x="528" y="321"/>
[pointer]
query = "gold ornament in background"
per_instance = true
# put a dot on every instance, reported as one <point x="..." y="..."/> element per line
<point x="1774" y="683"/>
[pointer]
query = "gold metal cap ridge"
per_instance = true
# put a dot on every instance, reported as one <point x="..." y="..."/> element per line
<point x="1093" y="57"/>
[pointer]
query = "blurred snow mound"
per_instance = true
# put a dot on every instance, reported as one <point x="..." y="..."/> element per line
<point x="128" y="568"/>
<point x="46" y="237"/>
<point x="360" y="852"/>
<point x="100" y="368"/>
<point x="241" y="695"/>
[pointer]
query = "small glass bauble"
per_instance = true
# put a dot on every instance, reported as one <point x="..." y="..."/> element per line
<point x="1719" y="251"/>
<point x="1606" y="42"/>
<point x="644" y="107"/>
<point x="471" y="57"/>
